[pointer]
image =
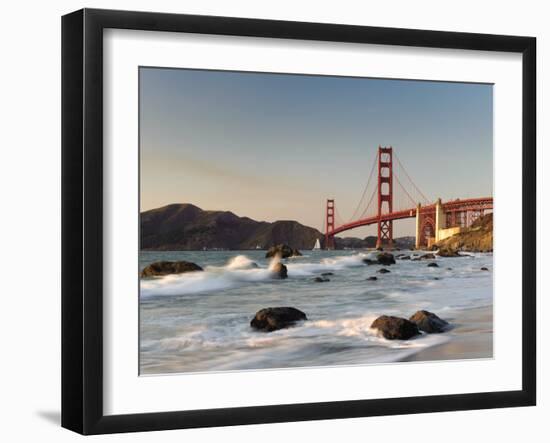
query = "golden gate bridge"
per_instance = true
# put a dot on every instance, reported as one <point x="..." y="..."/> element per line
<point x="435" y="221"/>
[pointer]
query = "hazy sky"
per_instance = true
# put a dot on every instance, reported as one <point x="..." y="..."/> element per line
<point x="276" y="146"/>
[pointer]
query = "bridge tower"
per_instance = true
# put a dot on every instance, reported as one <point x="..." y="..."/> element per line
<point x="329" y="236"/>
<point x="385" y="196"/>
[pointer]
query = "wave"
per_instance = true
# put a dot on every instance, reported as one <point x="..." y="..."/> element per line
<point x="326" y="265"/>
<point x="288" y="342"/>
<point x="239" y="270"/>
<point x="240" y="262"/>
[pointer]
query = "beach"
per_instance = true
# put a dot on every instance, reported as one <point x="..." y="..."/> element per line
<point x="200" y="321"/>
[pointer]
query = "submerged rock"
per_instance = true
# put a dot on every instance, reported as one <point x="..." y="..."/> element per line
<point x="405" y="257"/>
<point x="428" y="256"/>
<point x="373" y="278"/>
<point x="325" y="274"/>
<point x="385" y="258"/>
<point x="428" y="322"/>
<point x="395" y="328"/>
<point x="383" y="271"/>
<point x="278" y="270"/>
<point x="484" y="268"/>
<point x="448" y="252"/>
<point x="160" y="268"/>
<point x="282" y="250"/>
<point x="320" y="280"/>
<point x="432" y="265"/>
<point x="272" y="319"/>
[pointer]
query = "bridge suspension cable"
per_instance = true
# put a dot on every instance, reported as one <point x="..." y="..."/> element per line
<point x="364" y="190"/>
<point x="368" y="204"/>
<point x="417" y="189"/>
<point x="338" y="218"/>
<point x="411" y="199"/>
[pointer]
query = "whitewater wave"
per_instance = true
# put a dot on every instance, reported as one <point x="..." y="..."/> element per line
<point x="240" y="270"/>
<point x="285" y="340"/>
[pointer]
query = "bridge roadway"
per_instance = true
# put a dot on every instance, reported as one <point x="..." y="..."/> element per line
<point x="464" y="205"/>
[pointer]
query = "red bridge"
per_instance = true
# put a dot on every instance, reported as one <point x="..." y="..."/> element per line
<point x="434" y="221"/>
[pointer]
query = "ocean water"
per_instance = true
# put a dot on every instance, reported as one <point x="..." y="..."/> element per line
<point x="199" y="322"/>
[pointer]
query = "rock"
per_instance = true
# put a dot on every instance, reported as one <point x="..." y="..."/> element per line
<point x="383" y="271"/>
<point x="433" y="265"/>
<point x="395" y="328"/>
<point x="325" y="274"/>
<point x="448" y="252"/>
<point x="272" y="319"/>
<point x="373" y="278"/>
<point x="405" y="257"/>
<point x="169" y="267"/>
<point x="436" y="278"/>
<point x="385" y="258"/>
<point x="449" y="269"/>
<point x="484" y="269"/>
<point x="278" y="270"/>
<point x="320" y="280"/>
<point x="428" y="322"/>
<point x="428" y="256"/>
<point x="282" y="250"/>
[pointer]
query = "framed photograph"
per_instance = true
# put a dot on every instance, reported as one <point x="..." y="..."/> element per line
<point x="269" y="221"/>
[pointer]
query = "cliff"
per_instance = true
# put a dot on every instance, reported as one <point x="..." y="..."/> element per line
<point x="477" y="238"/>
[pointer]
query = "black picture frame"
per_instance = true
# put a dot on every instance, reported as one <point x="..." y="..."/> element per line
<point x="82" y="219"/>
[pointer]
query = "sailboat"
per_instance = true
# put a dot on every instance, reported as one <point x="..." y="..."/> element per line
<point x="317" y="245"/>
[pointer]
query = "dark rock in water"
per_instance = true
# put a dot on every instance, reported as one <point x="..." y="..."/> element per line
<point x="373" y="278"/>
<point x="395" y="328"/>
<point x="436" y="278"/>
<point x="405" y="257"/>
<point x="284" y="251"/>
<point x="484" y="269"/>
<point x="279" y="271"/>
<point x="433" y="265"/>
<point x="449" y="269"/>
<point x="254" y="265"/>
<point x="320" y="280"/>
<point x="385" y="258"/>
<point x="325" y="274"/>
<point x="448" y="252"/>
<point x="169" y="267"/>
<point x="369" y="261"/>
<point x="428" y="256"/>
<point x="428" y="322"/>
<point x="383" y="271"/>
<point x="272" y="319"/>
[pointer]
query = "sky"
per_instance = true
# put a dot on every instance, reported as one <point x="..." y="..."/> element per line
<point x="276" y="146"/>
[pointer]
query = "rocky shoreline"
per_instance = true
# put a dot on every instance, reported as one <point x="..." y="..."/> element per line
<point x="271" y="319"/>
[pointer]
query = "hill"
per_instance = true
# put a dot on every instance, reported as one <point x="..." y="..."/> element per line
<point x="476" y="238"/>
<point x="187" y="227"/>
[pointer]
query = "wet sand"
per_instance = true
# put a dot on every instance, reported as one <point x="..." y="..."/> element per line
<point x="471" y="336"/>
